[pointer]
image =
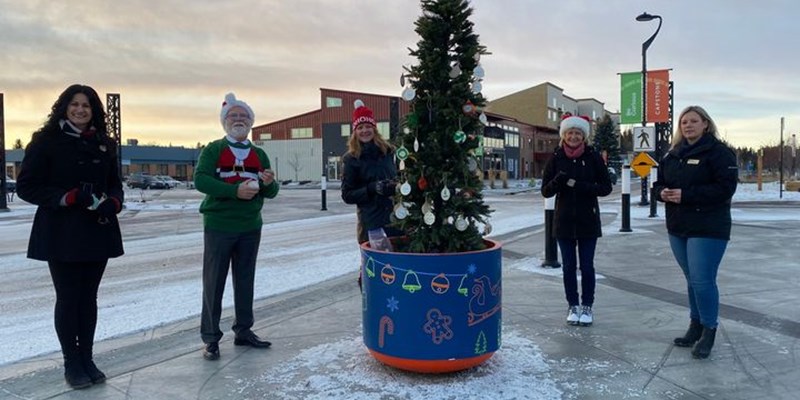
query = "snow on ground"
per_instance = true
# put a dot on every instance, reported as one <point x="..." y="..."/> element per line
<point x="165" y="270"/>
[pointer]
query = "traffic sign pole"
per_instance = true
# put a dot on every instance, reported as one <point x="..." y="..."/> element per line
<point x="626" y="199"/>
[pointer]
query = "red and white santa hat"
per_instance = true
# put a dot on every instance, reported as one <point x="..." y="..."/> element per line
<point x="581" y="123"/>
<point x="230" y="102"/>
<point x="362" y="114"/>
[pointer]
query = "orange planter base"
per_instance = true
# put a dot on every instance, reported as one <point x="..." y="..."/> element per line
<point x="430" y="366"/>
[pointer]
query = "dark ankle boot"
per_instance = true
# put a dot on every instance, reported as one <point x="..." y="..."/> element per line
<point x="75" y="374"/>
<point x="692" y="335"/>
<point x="94" y="373"/>
<point x="703" y="347"/>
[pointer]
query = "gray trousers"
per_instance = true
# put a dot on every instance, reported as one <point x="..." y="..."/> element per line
<point x="223" y="250"/>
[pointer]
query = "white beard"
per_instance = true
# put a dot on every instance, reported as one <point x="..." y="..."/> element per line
<point x="239" y="132"/>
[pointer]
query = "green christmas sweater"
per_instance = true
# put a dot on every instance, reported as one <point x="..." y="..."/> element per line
<point x="222" y="167"/>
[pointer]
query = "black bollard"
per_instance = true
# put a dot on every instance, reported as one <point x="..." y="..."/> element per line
<point x="550" y="250"/>
<point x="324" y="185"/>
<point x="653" y="202"/>
<point x="626" y="199"/>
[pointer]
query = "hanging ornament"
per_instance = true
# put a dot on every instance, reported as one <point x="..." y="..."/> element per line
<point x="455" y="70"/>
<point x="483" y="119"/>
<point x="400" y="211"/>
<point x="422" y="183"/>
<point x="459" y="136"/>
<point x="440" y="284"/>
<point x="401" y="153"/>
<point x="461" y="223"/>
<point x="406" y="130"/>
<point x="477" y="57"/>
<point x="472" y="164"/>
<point x="476" y="87"/>
<point x="402" y="80"/>
<point x="416" y="145"/>
<point x="411" y="282"/>
<point x="427" y="206"/>
<point x="487" y="229"/>
<point x="429" y="218"/>
<point x="478" y="71"/>
<point x="468" y="108"/>
<point x="409" y="93"/>
<point x="445" y="193"/>
<point x="402" y="165"/>
<point x="405" y="188"/>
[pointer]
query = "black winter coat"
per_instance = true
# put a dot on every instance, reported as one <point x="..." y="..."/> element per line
<point x="707" y="175"/>
<point x="577" y="213"/>
<point x="373" y="210"/>
<point x="55" y="163"/>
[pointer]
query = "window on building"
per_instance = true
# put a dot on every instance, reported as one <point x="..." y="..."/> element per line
<point x="383" y="129"/>
<point x="512" y="140"/>
<point x="302" y="133"/>
<point x="345" y="130"/>
<point x="265" y="136"/>
<point x="333" y="102"/>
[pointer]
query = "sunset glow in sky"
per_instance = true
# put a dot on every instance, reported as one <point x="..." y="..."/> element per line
<point x="172" y="61"/>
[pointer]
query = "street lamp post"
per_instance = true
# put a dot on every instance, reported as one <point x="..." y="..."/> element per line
<point x="644" y="17"/>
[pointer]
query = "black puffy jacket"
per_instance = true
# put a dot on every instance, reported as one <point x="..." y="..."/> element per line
<point x="55" y="163"/>
<point x="707" y="174"/>
<point x="577" y="213"/>
<point x="373" y="210"/>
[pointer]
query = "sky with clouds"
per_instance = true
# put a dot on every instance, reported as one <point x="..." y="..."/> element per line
<point x="172" y="61"/>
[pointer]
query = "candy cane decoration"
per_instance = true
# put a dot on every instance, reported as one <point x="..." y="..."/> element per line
<point x="386" y="324"/>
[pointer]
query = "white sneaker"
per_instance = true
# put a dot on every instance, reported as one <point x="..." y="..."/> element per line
<point x="573" y="315"/>
<point x="586" y="317"/>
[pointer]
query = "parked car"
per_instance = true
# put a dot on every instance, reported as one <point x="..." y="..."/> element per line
<point x="171" y="182"/>
<point x="158" y="182"/>
<point x="612" y="173"/>
<point x="11" y="185"/>
<point x="140" y="180"/>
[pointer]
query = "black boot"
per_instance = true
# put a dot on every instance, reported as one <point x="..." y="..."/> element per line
<point x="703" y="347"/>
<point x="692" y="335"/>
<point x="75" y="374"/>
<point x="94" y="373"/>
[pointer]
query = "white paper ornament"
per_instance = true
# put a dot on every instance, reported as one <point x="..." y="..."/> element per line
<point x="487" y="229"/>
<point x="402" y="165"/>
<point x="445" y="194"/>
<point x="477" y="87"/>
<point x="416" y="145"/>
<point x="477" y="57"/>
<point x="455" y="71"/>
<point x="461" y="223"/>
<point x="478" y="71"/>
<point x="405" y="188"/>
<point x="426" y="207"/>
<point x="401" y="212"/>
<point x="472" y="165"/>
<point x="429" y="218"/>
<point x="409" y="93"/>
<point x="483" y="119"/>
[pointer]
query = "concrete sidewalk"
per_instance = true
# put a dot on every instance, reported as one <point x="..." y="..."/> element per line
<point x="640" y="306"/>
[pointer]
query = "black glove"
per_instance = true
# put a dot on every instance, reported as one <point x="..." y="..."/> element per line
<point x="386" y="187"/>
<point x="560" y="180"/>
<point x="582" y="187"/>
<point x="108" y="207"/>
<point x="78" y="198"/>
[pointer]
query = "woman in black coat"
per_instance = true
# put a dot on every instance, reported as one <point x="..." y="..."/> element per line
<point x="577" y="175"/>
<point x="696" y="181"/>
<point x="70" y="172"/>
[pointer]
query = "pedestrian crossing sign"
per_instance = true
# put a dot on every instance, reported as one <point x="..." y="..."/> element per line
<point x="644" y="138"/>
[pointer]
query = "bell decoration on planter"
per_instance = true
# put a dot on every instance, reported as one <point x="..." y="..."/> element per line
<point x="438" y="330"/>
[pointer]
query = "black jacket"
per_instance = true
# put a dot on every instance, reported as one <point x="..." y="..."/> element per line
<point x="373" y="210"/>
<point x="577" y="213"/>
<point x="707" y="174"/>
<point x="55" y="163"/>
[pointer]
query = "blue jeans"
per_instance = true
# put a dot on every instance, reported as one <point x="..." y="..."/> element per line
<point x="699" y="258"/>
<point x="570" y="257"/>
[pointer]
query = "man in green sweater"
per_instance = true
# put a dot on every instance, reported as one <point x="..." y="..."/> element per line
<point x="235" y="177"/>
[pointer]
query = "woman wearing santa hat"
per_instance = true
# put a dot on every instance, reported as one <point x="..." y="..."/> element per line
<point x="368" y="179"/>
<point x="577" y="176"/>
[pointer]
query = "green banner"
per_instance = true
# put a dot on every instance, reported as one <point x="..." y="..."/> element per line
<point x="631" y="99"/>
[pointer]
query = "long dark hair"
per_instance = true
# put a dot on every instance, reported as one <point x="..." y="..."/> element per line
<point x="59" y="111"/>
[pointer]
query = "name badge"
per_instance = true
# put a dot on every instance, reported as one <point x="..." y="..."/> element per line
<point x="693" y="161"/>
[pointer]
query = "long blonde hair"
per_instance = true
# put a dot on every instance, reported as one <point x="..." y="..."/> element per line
<point x="354" y="145"/>
<point x="677" y="137"/>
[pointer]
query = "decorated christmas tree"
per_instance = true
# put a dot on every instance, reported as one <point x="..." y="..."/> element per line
<point x="440" y="205"/>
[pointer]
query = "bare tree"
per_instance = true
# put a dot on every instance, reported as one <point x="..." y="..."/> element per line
<point x="295" y="164"/>
<point x="17" y="144"/>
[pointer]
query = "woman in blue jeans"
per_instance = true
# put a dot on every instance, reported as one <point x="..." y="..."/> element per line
<point x="577" y="175"/>
<point x="696" y="181"/>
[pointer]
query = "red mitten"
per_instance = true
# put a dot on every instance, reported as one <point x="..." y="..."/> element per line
<point x="78" y="198"/>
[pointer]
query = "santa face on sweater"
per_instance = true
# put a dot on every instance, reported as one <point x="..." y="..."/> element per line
<point x="238" y="123"/>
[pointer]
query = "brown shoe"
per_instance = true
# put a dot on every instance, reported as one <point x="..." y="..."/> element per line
<point x="211" y="351"/>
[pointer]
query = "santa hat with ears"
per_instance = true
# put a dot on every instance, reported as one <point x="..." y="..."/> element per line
<point x="230" y="102"/>
<point x="581" y="123"/>
<point x="362" y="114"/>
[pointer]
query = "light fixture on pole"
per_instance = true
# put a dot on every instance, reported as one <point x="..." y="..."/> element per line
<point x="644" y="17"/>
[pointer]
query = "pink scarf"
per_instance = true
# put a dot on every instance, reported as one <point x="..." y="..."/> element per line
<point x="574" y="152"/>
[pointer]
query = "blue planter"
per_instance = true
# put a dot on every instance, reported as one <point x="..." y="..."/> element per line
<point x="432" y="312"/>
